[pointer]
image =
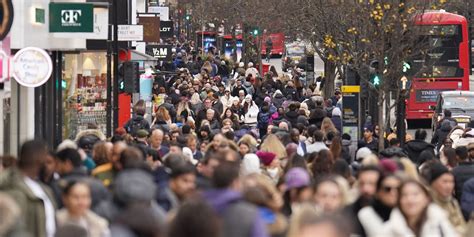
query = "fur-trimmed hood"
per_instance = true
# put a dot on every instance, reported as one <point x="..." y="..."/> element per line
<point x="94" y="132"/>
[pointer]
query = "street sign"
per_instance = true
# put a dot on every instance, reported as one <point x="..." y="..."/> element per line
<point x="161" y="52"/>
<point x="71" y="17"/>
<point x="350" y="110"/>
<point x="6" y="15"/>
<point x="100" y="25"/>
<point x="31" y="67"/>
<point x="130" y="33"/>
<point x="151" y="27"/>
<point x="166" y="29"/>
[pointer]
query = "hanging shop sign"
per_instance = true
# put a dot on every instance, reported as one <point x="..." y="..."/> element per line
<point x="151" y="27"/>
<point x="31" y="67"/>
<point x="6" y="17"/>
<point x="71" y="17"/>
<point x="163" y="11"/>
<point x="130" y="33"/>
<point x="161" y="52"/>
<point x="166" y="29"/>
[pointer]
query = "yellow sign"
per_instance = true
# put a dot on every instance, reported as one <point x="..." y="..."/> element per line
<point x="350" y="89"/>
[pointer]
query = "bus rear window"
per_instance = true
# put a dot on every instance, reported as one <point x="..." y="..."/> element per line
<point x="442" y="57"/>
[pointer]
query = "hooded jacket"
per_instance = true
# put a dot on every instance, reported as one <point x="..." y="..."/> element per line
<point x="278" y="99"/>
<point x="130" y="187"/>
<point x="415" y="147"/>
<point x="239" y="218"/>
<point x="441" y="134"/>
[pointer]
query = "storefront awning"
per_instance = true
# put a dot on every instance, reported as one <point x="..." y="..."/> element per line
<point x="138" y="56"/>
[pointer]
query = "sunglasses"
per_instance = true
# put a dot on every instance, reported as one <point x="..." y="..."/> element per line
<point x="388" y="189"/>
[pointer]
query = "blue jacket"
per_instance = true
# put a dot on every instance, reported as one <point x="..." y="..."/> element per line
<point x="467" y="198"/>
<point x="239" y="218"/>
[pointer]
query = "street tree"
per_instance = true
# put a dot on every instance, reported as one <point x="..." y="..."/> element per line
<point x="372" y="36"/>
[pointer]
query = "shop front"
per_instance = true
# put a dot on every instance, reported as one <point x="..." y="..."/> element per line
<point x="84" y="92"/>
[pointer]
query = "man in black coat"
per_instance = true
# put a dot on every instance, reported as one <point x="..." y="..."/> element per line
<point x="415" y="147"/>
<point x="441" y="134"/>
<point x="465" y="169"/>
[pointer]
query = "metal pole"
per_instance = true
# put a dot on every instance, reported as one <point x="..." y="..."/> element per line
<point x="109" y="76"/>
<point x="115" y="66"/>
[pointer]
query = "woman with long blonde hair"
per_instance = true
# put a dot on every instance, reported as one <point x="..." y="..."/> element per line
<point x="274" y="145"/>
<point x="327" y="126"/>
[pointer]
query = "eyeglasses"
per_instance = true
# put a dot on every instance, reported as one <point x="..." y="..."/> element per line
<point x="388" y="189"/>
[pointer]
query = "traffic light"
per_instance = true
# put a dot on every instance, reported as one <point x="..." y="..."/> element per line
<point x="187" y="17"/>
<point x="375" y="80"/>
<point x="255" y="31"/>
<point x="129" y="77"/>
<point x="406" y="67"/>
<point x="374" y="76"/>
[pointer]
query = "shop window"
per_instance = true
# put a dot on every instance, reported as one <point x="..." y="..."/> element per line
<point x="84" y="88"/>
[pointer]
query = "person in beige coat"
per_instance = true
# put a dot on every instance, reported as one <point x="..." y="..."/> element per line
<point x="417" y="215"/>
<point x="77" y="201"/>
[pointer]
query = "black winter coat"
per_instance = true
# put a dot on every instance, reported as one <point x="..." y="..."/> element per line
<point x="463" y="172"/>
<point x="415" y="147"/>
<point x="441" y="134"/>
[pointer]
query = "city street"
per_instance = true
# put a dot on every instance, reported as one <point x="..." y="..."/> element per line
<point x="159" y="118"/>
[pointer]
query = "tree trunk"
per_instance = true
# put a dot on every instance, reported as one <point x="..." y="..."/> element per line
<point x="234" y="45"/>
<point x="259" y="54"/>
<point x="380" y="121"/>
<point x="245" y="47"/>
<point x="329" y="78"/>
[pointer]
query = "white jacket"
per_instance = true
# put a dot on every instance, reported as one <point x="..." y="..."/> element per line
<point x="250" y="118"/>
<point x="371" y="221"/>
<point x="436" y="225"/>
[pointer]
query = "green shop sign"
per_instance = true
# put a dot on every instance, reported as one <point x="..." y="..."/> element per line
<point x="71" y="17"/>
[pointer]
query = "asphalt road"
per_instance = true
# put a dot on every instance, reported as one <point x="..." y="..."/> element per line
<point x="318" y="65"/>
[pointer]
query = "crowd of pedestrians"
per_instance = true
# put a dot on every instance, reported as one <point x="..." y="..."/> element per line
<point x="229" y="152"/>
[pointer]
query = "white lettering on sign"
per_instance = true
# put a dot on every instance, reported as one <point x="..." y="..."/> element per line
<point x="70" y="17"/>
<point x="32" y="67"/>
<point x="429" y="92"/>
<point x="130" y="32"/>
<point x="165" y="29"/>
<point x="160" y="52"/>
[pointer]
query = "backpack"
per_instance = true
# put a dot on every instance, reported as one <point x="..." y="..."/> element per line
<point x="263" y="119"/>
<point x="136" y="124"/>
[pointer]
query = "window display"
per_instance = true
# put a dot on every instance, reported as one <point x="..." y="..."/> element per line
<point x="84" y="92"/>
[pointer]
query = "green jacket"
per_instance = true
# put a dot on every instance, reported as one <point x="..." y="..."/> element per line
<point x="33" y="217"/>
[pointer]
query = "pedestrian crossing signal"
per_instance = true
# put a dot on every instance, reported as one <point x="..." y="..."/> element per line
<point x="376" y="80"/>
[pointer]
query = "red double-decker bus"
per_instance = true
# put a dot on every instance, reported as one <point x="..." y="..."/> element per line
<point x="444" y="67"/>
